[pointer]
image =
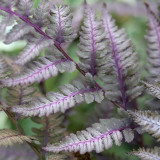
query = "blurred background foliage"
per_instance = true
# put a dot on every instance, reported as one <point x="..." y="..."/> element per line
<point x="129" y="15"/>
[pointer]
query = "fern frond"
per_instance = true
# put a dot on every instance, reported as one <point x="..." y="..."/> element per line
<point x="51" y="130"/>
<point x="8" y="4"/>
<point x="153" y="43"/>
<point x="92" y="45"/>
<point x="149" y="121"/>
<point x="147" y="154"/>
<point x="19" y="95"/>
<point x="154" y="89"/>
<point x="4" y="68"/>
<point x="67" y="98"/>
<point x="98" y="137"/>
<point x="41" y="14"/>
<point x="18" y="152"/>
<point x="121" y="78"/>
<point x="10" y="137"/>
<point x="61" y="24"/>
<point x="7" y="20"/>
<point x="25" y="8"/>
<point x="33" y="49"/>
<point x="40" y="70"/>
<point x="18" y="31"/>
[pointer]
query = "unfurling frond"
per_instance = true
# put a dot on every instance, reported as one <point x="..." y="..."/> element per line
<point x="147" y="154"/>
<point x="40" y="70"/>
<point x="92" y="47"/>
<point x="69" y="96"/>
<point x="33" y="49"/>
<point x="17" y="152"/>
<point x="121" y="77"/>
<point x="153" y="42"/>
<point x="154" y="89"/>
<point x="10" y="137"/>
<point x="149" y="121"/>
<point x="61" y="24"/>
<point x="98" y="137"/>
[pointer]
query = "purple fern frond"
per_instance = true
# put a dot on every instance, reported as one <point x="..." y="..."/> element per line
<point x="153" y="43"/>
<point x="33" y="49"/>
<point x="61" y="24"/>
<point x="55" y="102"/>
<point x="25" y="8"/>
<point x="109" y="26"/>
<point x="92" y="44"/>
<point x="121" y="78"/>
<point x="18" y="31"/>
<point x="40" y="70"/>
<point x="98" y="137"/>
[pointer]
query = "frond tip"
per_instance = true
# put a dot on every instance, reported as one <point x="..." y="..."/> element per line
<point x="147" y="154"/>
<point x="98" y="137"/>
<point x="9" y="137"/>
<point x="61" y="24"/>
<point x="150" y="122"/>
<point x="92" y="45"/>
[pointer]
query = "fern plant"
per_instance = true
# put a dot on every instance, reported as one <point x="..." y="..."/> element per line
<point x="109" y="76"/>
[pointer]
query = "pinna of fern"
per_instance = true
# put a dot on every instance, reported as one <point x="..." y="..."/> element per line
<point x="68" y="97"/>
<point x="98" y="137"/>
<point x="60" y="27"/>
<point x="148" y="121"/>
<point x="9" y="137"/>
<point x="153" y="44"/>
<point x="42" y="69"/>
<point x="92" y="45"/>
<point x="147" y="154"/>
<point x="50" y="132"/>
<point x="153" y="57"/>
<point x="120" y="76"/>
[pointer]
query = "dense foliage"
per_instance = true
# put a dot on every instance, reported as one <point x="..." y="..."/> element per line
<point x="107" y="75"/>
